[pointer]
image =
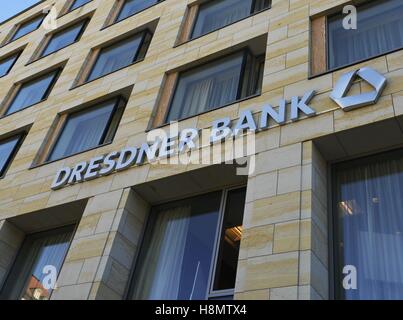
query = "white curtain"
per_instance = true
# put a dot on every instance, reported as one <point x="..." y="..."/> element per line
<point x="372" y="228"/>
<point x="236" y="10"/>
<point x="48" y="250"/>
<point x="160" y="272"/>
<point x="380" y="29"/>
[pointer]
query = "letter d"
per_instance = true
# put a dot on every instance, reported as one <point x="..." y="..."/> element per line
<point x="126" y="159"/>
<point x="61" y="178"/>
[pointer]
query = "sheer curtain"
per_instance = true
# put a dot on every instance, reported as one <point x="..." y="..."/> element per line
<point x="371" y="218"/>
<point x="233" y="11"/>
<point x="31" y="93"/>
<point x="160" y="273"/>
<point x="43" y="251"/>
<point x="206" y="88"/>
<point x="83" y="131"/>
<point x="116" y="56"/>
<point x="380" y="29"/>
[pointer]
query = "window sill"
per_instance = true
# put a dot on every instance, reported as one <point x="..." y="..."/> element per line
<point x="313" y="76"/>
<point x="105" y="75"/>
<point x="228" y="25"/>
<point x="208" y="111"/>
<point x="34" y="166"/>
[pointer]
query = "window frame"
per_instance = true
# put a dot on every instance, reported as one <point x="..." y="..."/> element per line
<point x="17" y="87"/>
<point x="17" y="55"/>
<point x="326" y="46"/>
<point x="119" y="105"/>
<point x="144" y="45"/>
<point x="18" y="26"/>
<point x="210" y="293"/>
<point x="245" y="51"/>
<point x="335" y="276"/>
<point x="70" y="6"/>
<point x="21" y="137"/>
<point x="189" y="37"/>
<point x="117" y="9"/>
<point x="25" y="247"/>
<point x="49" y="37"/>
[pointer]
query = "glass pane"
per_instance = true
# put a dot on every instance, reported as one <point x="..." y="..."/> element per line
<point x="7" y="148"/>
<point x="83" y="130"/>
<point x="116" y="57"/>
<point x="370" y="225"/>
<point x="63" y="38"/>
<point x="32" y="92"/>
<point x="176" y="256"/>
<point x="231" y="235"/>
<point x="27" y="27"/>
<point x="6" y="64"/>
<point x="207" y="87"/>
<point x="380" y="30"/>
<point x="217" y="14"/>
<point x="131" y="7"/>
<point x="78" y="3"/>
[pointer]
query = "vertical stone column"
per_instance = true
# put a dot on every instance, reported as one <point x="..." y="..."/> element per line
<point x="101" y="255"/>
<point x="11" y="239"/>
<point x="284" y="247"/>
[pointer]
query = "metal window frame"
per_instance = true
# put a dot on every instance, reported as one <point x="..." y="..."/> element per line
<point x="210" y="293"/>
<point x="84" y="23"/>
<point x="11" y="156"/>
<point x="26" y="246"/>
<point x="335" y="290"/>
<point x="119" y="102"/>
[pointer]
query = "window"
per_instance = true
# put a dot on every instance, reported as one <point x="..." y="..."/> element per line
<point x="120" y="55"/>
<point x="27" y="27"/>
<point x="216" y="14"/>
<point x="369" y="226"/>
<point x="77" y="4"/>
<point x="216" y="84"/>
<point x="8" y="149"/>
<point x="131" y="7"/>
<point x="40" y="253"/>
<point x="177" y="259"/>
<point x="64" y="38"/>
<point x="7" y="63"/>
<point x="88" y="129"/>
<point x="380" y="31"/>
<point x="32" y="92"/>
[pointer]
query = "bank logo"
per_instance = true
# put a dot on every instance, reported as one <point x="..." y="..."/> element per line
<point x="340" y="92"/>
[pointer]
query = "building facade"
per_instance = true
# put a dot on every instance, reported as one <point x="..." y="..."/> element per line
<point x="304" y="202"/>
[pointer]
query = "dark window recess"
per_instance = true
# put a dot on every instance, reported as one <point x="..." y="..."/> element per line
<point x="88" y="129"/>
<point x="27" y="27"/>
<point x="177" y="258"/>
<point x="231" y="235"/>
<point x="380" y="30"/>
<point x="78" y="3"/>
<point x="33" y="91"/>
<point x="27" y="280"/>
<point x="8" y="148"/>
<point x="7" y="63"/>
<point x="120" y="55"/>
<point x="368" y="221"/>
<point x="131" y="7"/>
<point x="64" y="38"/>
<point x="217" y="14"/>
<point x="216" y="84"/>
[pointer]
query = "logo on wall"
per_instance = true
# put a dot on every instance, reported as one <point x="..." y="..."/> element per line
<point x="339" y="94"/>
